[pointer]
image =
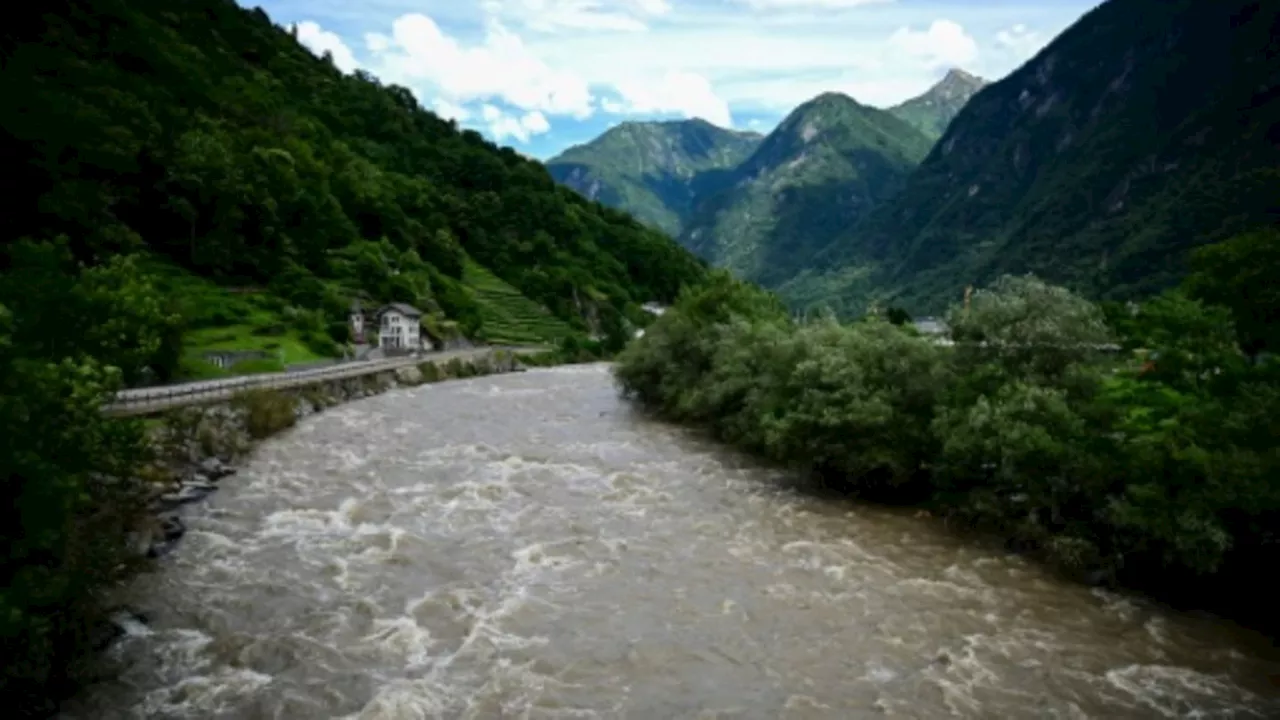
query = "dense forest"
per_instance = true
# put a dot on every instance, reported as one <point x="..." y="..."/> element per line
<point x="179" y="173"/>
<point x="1131" y="444"/>
<point x="203" y="134"/>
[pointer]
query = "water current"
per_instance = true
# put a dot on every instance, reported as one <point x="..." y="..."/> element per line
<point x="528" y="546"/>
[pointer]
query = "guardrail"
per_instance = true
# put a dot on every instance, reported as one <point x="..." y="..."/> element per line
<point x="147" y="400"/>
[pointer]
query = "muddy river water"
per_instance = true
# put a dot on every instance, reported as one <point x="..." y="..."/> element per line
<point x="528" y="546"/>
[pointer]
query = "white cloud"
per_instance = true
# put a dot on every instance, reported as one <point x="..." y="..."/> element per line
<point x="557" y="15"/>
<point x="449" y="110"/>
<point x="500" y="66"/>
<point x="502" y="125"/>
<point x="684" y="93"/>
<point x="1021" y="40"/>
<point x="808" y="4"/>
<point x="944" y="43"/>
<point x="376" y="42"/>
<point x="535" y="122"/>
<point x="714" y="59"/>
<point x="320" y="41"/>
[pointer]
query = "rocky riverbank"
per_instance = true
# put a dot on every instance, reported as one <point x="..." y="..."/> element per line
<point x="197" y="448"/>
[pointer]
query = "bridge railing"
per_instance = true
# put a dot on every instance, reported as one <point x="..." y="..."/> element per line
<point x="145" y="400"/>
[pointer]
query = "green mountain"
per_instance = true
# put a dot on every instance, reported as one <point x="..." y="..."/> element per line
<point x="932" y="111"/>
<point x="829" y="162"/>
<point x="274" y="187"/>
<point x="1146" y="129"/>
<point x="651" y="169"/>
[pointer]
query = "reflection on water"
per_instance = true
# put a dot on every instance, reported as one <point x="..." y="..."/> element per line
<point x="526" y="546"/>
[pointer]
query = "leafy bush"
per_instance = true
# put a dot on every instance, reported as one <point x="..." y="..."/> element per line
<point x="267" y="412"/>
<point x="454" y="368"/>
<point x="1036" y="422"/>
<point x="430" y="372"/>
<point x="72" y="493"/>
<point x="339" y="332"/>
<point x="321" y="344"/>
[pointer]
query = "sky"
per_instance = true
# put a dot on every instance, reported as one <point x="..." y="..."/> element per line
<point x="541" y="75"/>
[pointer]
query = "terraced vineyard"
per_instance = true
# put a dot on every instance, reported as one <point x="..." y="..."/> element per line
<point x="507" y="316"/>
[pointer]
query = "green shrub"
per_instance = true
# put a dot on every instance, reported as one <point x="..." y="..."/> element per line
<point x="339" y="332"/>
<point x="454" y="368"/>
<point x="267" y="412"/>
<point x="321" y="345"/>
<point x="430" y="372"/>
<point x="1159" y="474"/>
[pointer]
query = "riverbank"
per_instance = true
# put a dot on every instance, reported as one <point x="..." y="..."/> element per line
<point x="1116" y="469"/>
<point x="196" y="447"/>
<point x="549" y="551"/>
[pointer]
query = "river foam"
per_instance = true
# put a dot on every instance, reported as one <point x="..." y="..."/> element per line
<point x="529" y="546"/>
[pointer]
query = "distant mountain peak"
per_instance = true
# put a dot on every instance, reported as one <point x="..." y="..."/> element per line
<point x="956" y="74"/>
<point x="957" y="83"/>
<point x="649" y="167"/>
<point x="933" y="110"/>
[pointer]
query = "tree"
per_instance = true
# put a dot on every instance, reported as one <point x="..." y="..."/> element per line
<point x="1028" y="327"/>
<point x="71" y="491"/>
<point x="1241" y="274"/>
<point x="897" y="316"/>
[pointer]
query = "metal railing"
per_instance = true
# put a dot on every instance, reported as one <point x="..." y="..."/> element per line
<point x="147" y="400"/>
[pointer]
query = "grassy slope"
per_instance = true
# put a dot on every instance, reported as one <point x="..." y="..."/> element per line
<point x="221" y="318"/>
<point x="508" y="317"/>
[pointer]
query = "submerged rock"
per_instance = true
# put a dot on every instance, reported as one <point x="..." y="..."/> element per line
<point x="189" y="492"/>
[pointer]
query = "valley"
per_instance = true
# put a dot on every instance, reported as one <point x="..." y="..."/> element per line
<point x="1145" y="130"/>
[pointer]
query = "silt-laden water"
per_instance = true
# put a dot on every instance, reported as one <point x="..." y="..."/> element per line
<point x="527" y="546"/>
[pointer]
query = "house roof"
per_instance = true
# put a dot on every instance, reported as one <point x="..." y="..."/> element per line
<point x="402" y="308"/>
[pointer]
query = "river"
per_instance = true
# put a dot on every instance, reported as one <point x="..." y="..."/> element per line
<point x="528" y="546"/>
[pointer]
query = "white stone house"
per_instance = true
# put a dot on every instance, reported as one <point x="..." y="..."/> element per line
<point x="399" y="327"/>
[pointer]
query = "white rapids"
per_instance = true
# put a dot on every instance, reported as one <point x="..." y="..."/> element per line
<point x="527" y="546"/>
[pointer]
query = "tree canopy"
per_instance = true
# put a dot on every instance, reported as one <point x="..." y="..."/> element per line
<point x="204" y="133"/>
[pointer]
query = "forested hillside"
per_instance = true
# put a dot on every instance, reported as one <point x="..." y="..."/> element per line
<point x="205" y="135"/>
<point x="653" y="170"/>
<point x="826" y="164"/>
<point x="185" y="175"/>
<point x="1148" y="128"/>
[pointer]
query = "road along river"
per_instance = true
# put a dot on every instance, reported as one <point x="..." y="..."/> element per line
<point x="527" y="546"/>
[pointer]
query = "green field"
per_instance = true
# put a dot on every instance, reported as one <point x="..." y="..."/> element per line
<point x="221" y="318"/>
<point x="508" y="317"/>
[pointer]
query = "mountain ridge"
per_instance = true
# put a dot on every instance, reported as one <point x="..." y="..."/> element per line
<point x="651" y="168"/>
<point x="828" y="161"/>
<point x="1081" y="166"/>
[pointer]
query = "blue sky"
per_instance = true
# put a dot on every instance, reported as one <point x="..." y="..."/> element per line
<point x="541" y="75"/>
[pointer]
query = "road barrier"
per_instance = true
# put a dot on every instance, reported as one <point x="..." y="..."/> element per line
<point x="140" y="401"/>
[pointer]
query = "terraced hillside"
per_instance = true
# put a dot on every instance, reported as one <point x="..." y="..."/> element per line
<point x="507" y="316"/>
